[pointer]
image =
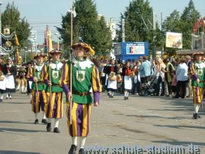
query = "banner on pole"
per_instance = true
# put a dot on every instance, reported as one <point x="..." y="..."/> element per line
<point x="174" y="40"/>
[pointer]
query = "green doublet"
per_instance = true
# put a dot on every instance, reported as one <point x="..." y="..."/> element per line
<point x="199" y="68"/>
<point x="54" y="71"/>
<point x="37" y="73"/>
<point x="82" y="80"/>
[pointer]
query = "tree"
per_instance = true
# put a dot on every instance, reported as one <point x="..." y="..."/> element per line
<point x="138" y="17"/>
<point x="87" y="26"/>
<point x="11" y="18"/>
<point x="172" y="23"/>
<point x="182" y="23"/>
<point x="139" y="24"/>
<point x="188" y="18"/>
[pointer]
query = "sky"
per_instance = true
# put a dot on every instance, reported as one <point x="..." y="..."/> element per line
<point x="40" y="13"/>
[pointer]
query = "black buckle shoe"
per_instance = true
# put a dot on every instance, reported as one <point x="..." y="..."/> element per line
<point x="56" y="130"/>
<point x="73" y="149"/>
<point x="48" y="127"/>
<point x="81" y="151"/>
<point x="36" y="121"/>
<point x="44" y="121"/>
<point x="195" y="115"/>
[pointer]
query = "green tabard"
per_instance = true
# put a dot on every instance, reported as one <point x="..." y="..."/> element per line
<point x="200" y="72"/>
<point x="82" y="80"/>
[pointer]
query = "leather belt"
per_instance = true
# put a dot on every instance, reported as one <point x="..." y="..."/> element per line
<point x="81" y="94"/>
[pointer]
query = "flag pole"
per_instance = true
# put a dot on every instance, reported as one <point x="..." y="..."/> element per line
<point x="70" y="69"/>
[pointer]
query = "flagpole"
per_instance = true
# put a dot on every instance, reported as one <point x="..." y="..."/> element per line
<point x="70" y="70"/>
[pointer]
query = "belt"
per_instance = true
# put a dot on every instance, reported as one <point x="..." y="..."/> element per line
<point x="81" y="94"/>
<point x="53" y="84"/>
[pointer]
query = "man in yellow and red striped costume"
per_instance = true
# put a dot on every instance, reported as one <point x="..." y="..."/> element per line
<point x="197" y="71"/>
<point x="85" y="76"/>
<point x="51" y="73"/>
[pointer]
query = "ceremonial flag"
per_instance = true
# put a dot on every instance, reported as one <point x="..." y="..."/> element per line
<point x="48" y="40"/>
<point x="16" y="40"/>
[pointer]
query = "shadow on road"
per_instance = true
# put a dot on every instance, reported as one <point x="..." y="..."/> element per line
<point x="18" y="122"/>
<point x="177" y="126"/>
<point x="181" y="143"/>
<point x="16" y="152"/>
<point x="20" y="130"/>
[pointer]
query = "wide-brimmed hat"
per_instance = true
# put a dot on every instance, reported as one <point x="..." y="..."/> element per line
<point x="85" y="46"/>
<point x="39" y="55"/>
<point x="55" y="51"/>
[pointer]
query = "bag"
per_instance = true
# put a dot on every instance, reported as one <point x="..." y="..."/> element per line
<point x="112" y="76"/>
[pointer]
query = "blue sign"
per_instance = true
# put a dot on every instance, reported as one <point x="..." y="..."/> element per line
<point x="132" y="50"/>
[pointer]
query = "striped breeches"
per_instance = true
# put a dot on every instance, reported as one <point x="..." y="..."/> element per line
<point x="38" y="101"/>
<point x="80" y="116"/>
<point x="197" y="95"/>
<point x="54" y="105"/>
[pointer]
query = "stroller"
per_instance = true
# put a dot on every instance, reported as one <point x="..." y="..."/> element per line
<point x="149" y="87"/>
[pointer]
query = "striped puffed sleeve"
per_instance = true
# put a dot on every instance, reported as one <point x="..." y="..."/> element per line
<point x="192" y="72"/>
<point x="45" y="74"/>
<point x="29" y="74"/>
<point x="64" y="81"/>
<point x="96" y="84"/>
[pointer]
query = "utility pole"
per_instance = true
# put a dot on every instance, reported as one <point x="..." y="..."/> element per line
<point x="153" y="30"/>
<point x="0" y="30"/>
<point x="123" y="30"/>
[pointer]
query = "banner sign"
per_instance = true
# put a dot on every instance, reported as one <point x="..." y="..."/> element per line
<point x="174" y="40"/>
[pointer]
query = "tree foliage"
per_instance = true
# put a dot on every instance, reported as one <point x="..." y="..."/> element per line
<point x="139" y="25"/>
<point x="182" y="23"/>
<point x="11" y="18"/>
<point x="88" y="26"/>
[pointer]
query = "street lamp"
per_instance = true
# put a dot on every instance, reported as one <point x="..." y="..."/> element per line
<point x="57" y="34"/>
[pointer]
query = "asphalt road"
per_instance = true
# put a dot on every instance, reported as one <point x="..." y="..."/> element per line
<point x="143" y="124"/>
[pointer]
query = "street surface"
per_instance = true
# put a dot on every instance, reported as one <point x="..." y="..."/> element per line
<point x="142" y="122"/>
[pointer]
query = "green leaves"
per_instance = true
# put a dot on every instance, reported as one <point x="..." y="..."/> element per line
<point x="11" y="18"/>
<point x="88" y="25"/>
<point x="182" y="23"/>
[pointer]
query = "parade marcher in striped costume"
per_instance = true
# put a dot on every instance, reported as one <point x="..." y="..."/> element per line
<point x="38" y="88"/>
<point x="10" y="72"/>
<point x="197" y="71"/>
<point x="127" y="80"/>
<point x="51" y="73"/>
<point x="85" y="76"/>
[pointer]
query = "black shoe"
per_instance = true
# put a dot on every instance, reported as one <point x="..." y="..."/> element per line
<point x="81" y="151"/>
<point x="36" y="121"/>
<point x="125" y="98"/>
<point x="1" y="100"/>
<point x="56" y="130"/>
<point x="195" y="115"/>
<point x="44" y="121"/>
<point x="73" y="149"/>
<point x="48" y="127"/>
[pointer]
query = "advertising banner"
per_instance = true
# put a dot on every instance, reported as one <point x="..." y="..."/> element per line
<point x="174" y="40"/>
<point x="135" y="48"/>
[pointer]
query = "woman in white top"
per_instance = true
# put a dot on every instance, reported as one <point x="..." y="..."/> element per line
<point x="182" y="78"/>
